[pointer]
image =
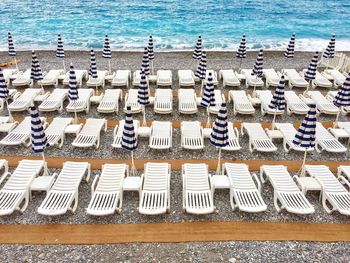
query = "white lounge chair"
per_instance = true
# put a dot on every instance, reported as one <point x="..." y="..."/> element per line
<point x="82" y="103"/>
<point x="245" y="189"/>
<point x="63" y="195"/>
<point x="79" y="74"/>
<point x="25" y="100"/>
<point x="241" y="103"/>
<point x="294" y="79"/>
<point x="13" y="95"/>
<point x="344" y="171"/>
<point x="271" y="77"/>
<point x="121" y="78"/>
<point x="288" y="131"/>
<point x="54" y="101"/>
<point x="161" y="135"/>
<point x="155" y="189"/>
<point x="219" y="98"/>
<point x="197" y="189"/>
<point x="322" y="104"/>
<point x="186" y="78"/>
<point x="319" y="81"/>
<point x="331" y="96"/>
<point x="164" y="78"/>
<point x="163" y="101"/>
<point x="99" y="81"/>
<point x="20" y="134"/>
<point x="110" y="101"/>
<point x="233" y="138"/>
<point x="118" y="133"/>
<point x="55" y="131"/>
<point x="7" y="124"/>
<point x="192" y="137"/>
<point x="51" y="78"/>
<point x="345" y="125"/>
<point x="326" y="142"/>
<point x="265" y="97"/>
<point x="258" y="139"/>
<point x="286" y="193"/>
<point x="294" y="104"/>
<point x="335" y="197"/>
<point x="4" y="166"/>
<point x="251" y="81"/>
<point x="137" y="78"/>
<point x="107" y="190"/>
<point x="90" y="134"/>
<point x="335" y="75"/>
<point x="15" y="194"/>
<point x="187" y="101"/>
<point x="131" y="99"/>
<point x="229" y="78"/>
<point x="8" y="73"/>
<point x="23" y="79"/>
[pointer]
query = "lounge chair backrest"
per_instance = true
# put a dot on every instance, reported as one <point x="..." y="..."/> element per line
<point x="191" y="128"/>
<point x="255" y="131"/>
<point x="237" y="174"/>
<point x="156" y="176"/>
<point x="92" y="126"/>
<point x="280" y="178"/>
<point x="70" y="176"/>
<point x="58" y="125"/>
<point x="186" y="95"/>
<point x="322" y="132"/>
<point x="110" y="179"/>
<point x="196" y="177"/>
<point x="161" y="128"/>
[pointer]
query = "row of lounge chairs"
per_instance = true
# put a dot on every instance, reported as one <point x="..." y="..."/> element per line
<point x="154" y="188"/>
<point x="188" y="101"/>
<point x="161" y="134"/>
<point x="122" y="78"/>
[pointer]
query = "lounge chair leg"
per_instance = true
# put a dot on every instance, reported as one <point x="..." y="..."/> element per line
<point x="275" y="201"/>
<point x="76" y="199"/>
<point x="325" y="206"/>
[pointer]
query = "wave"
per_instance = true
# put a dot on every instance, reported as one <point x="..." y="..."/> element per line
<point x="166" y="44"/>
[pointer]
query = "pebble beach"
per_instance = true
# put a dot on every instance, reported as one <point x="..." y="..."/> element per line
<point x="234" y="251"/>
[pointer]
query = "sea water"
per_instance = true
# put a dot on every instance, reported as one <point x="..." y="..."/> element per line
<point x="175" y="24"/>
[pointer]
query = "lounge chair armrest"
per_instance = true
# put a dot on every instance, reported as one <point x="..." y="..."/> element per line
<point x="93" y="185"/>
<point x="16" y="95"/>
<point x="3" y="177"/>
<point x="211" y="184"/>
<point x="236" y="132"/>
<point x="105" y="126"/>
<point x="262" y="179"/>
<point x="297" y="180"/>
<point x="115" y="129"/>
<point x="258" y="184"/>
<point x="343" y="180"/>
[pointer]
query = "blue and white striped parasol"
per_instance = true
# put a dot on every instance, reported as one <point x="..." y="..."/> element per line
<point x="11" y="48"/>
<point x="143" y="96"/>
<point x="242" y="50"/>
<point x="342" y="98"/>
<point x="145" y="62"/>
<point x="38" y="137"/>
<point x="259" y="64"/>
<point x="150" y="52"/>
<point x="306" y="134"/>
<point x="73" y="94"/>
<point x="107" y="53"/>
<point x="129" y="139"/>
<point x="330" y="50"/>
<point x="219" y="134"/>
<point x="202" y="67"/>
<point x="208" y="98"/>
<point x="197" y="53"/>
<point x="4" y="91"/>
<point x="36" y="73"/>
<point x="93" y="66"/>
<point x="278" y="101"/>
<point x="290" y="49"/>
<point x="310" y="73"/>
<point x="60" y="50"/>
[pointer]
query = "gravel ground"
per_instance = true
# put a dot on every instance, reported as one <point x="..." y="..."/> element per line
<point x="232" y="252"/>
<point x="194" y="252"/>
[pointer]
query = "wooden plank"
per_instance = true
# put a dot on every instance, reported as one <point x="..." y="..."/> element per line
<point x="254" y="165"/>
<point x="172" y="232"/>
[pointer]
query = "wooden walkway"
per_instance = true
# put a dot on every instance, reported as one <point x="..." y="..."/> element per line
<point x="172" y="232"/>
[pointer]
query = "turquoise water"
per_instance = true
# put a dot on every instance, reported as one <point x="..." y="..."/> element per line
<point x="175" y="24"/>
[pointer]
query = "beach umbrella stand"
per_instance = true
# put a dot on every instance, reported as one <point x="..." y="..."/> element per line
<point x="11" y="48"/>
<point x="219" y="134"/>
<point x="258" y="67"/>
<point x="107" y="53"/>
<point x="310" y="73"/>
<point x="143" y="96"/>
<point x="197" y="52"/>
<point x="208" y="99"/>
<point x="151" y="53"/>
<point x="278" y="101"/>
<point x="73" y="90"/>
<point x="330" y="50"/>
<point x="4" y="93"/>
